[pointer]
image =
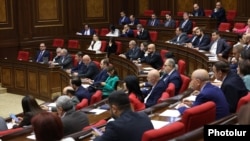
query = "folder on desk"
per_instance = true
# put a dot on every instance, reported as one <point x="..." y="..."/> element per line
<point x="159" y="124"/>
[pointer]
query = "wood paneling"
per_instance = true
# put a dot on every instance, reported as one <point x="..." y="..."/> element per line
<point x="3" y="12"/>
<point x="48" y="9"/>
<point x="143" y="5"/>
<point x="33" y="82"/>
<point x="95" y="8"/>
<point x="20" y="78"/>
<point x="185" y="5"/>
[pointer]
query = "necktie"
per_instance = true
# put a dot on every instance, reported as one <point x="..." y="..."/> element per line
<point x="182" y="26"/>
<point x="167" y="23"/>
<point x="152" y="23"/>
<point x="93" y="45"/>
<point x="39" y="56"/>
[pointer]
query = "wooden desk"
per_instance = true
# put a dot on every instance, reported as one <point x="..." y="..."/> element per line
<point x="38" y="80"/>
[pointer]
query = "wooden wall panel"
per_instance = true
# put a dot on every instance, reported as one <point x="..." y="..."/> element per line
<point x="20" y="81"/>
<point x="184" y="5"/>
<point x="7" y="77"/>
<point x="143" y="5"/>
<point x="229" y="4"/>
<point x="43" y="84"/>
<point x="33" y="82"/>
<point x="48" y="9"/>
<point x="3" y="11"/>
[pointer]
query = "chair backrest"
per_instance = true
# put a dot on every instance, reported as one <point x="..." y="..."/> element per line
<point x="164" y="96"/>
<point x="104" y="31"/>
<point x="51" y="56"/>
<point x="208" y="12"/>
<point x="185" y="83"/>
<point x="243" y="100"/>
<point x="193" y="24"/>
<point x="57" y="42"/>
<point x="148" y="12"/>
<point x="170" y="89"/>
<point x="97" y="64"/>
<point x="181" y="66"/>
<point x="119" y="47"/>
<point x="143" y="22"/>
<point x="199" y="115"/>
<point x="165" y="133"/>
<point x="82" y="104"/>
<point x="231" y="14"/>
<point x="73" y="44"/>
<point x="10" y="131"/>
<point x="23" y="55"/>
<point x="96" y="97"/>
<point x="164" y="12"/>
<point x="180" y="13"/>
<point x="163" y="53"/>
<point x="96" y="31"/>
<point x="224" y="26"/>
<point x="74" y="61"/>
<point x="103" y="46"/>
<point x="177" y="23"/>
<point x="239" y="25"/>
<point x="153" y="35"/>
<point x="135" y="32"/>
<point x="97" y="124"/>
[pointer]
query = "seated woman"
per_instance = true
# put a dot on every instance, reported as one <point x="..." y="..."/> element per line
<point x="95" y="43"/>
<point x="114" y="32"/>
<point x="111" y="46"/>
<point x="110" y="84"/>
<point x="135" y="95"/>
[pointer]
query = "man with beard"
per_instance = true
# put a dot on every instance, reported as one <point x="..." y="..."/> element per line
<point x="123" y="127"/>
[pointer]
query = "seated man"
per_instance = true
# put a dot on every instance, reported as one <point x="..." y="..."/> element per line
<point x="42" y="53"/>
<point x="142" y="34"/>
<point x="91" y="68"/>
<point x="201" y="40"/>
<point x="65" y="60"/>
<point x="133" y="53"/>
<point x="169" y="21"/>
<point x="217" y="46"/>
<point x="57" y="57"/>
<point x="152" y="57"/>
<point x="73" y="121"/>
<point x="133" y="20"/>
<point x="127" y="32"/>
<point x="186" y="24"/>
<point x="123" y="127"/>
<point x="180" y="38"/>
<point x="86" y="31"/>
<point x="80" y="91"/>
<point x="123" y="19"/>
<point x="158" y="87"/>
<point x="208" y="92"/>
<point x="80" y="68"/>
<point x="153" y="21"/>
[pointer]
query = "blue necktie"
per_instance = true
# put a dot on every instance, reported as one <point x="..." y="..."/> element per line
<point x="39" y="56"/>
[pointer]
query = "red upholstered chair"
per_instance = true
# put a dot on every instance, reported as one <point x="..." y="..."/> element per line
<point x="97" y="124"/>
<point x="143" y="22"/>
<point x="23" y="55"/>
<point x="104" y="31"/>
<point x="243" y="100"/>
<point x="82" y="104"/>
<point x="148" y="12"/>
<point x="74" y="61"/>
<point x="51" y="56"/>
<point x="58" y="42"/>
<point x="97" y="64"/>
<point x="165" y="133"/>
<point x="119" y="47"/>
<point x="153" y="35"/>
<point x="185" y="83"/>
<point x="135" y="32"/>
<point x="180" y="13"/>
<point x="193" y="24"/>
<point x="103" y="46"/>
<point x="181" y="66"/>
<point x="239" y="25"/>
<point x="96" y="31"/>
<point x="177" y="23"/>
<point x="170" y="89"/>
<point x="73" y="44"/>
<point x="10" y="131"/>
<point x="224" y="27"/>
<point x="190" y="36"/>
<point x="208" y="12"/>
<point x="199" y="115"/>
<point x="96" y="97"/>
<point x="231" y="14"/>
<point x="163" y="53"/>
<point x="163" y="97"/>
<point x="164" y="12"/>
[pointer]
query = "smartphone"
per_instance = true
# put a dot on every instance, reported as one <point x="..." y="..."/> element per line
<point x="14" y="117"/>
<point x="99" y="132"/>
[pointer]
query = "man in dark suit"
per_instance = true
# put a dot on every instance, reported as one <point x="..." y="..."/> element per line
<point x="127" y="32"/>
<point x="42" y="54"/>
<point x="169" y="22"/>
<point x="80" y="68"/>
<point x="123" y="19"/>
<point x="73" y="121"/>
<point x="180" y="38"/>
<point x="86" y="31"/>
<point x="158" y="87"/>
<point x="171" y="75"/>
<point x="153" y="21"/>
<point x="133" y="53"/>
<point x="219" y="14"/>
<point x="80" y="91"/>
<point x="65" y="60"/>
<point x="91" y="68"/>
<point x="128" y="125"/>
<point x="194" y="39"/>
<point x="142" y="34"/>
<point x="152" y="57"/>
<point x="186" y="24"/>
<point x="208" y="92"/>
<point x="203" y="39"/>
<point x="232" y="85"/>
<point x="197" y="11"/>
<point x="133" y="20"/>
<point x="217" y="46"/>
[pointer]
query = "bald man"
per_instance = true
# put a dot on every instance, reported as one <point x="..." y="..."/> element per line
<point x="91" y="68"/>
<point x="197" y="11"/>
<point x="158" y="87"/>
<point x="152" y="57"/>
<point x="133" y="53"/>
<point x="208" y="92"/>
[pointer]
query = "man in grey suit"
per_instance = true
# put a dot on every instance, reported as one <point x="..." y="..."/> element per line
<point x="180" y="38"/>
<point x="169" y="22"/>
<point x="73" y="121"/>
<point x="65" y="60"/>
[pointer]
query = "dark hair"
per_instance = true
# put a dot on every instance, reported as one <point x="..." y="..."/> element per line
<point x="120" y="99"/>
<point x="76" y="81"/>
<point x="245" y="54"/>
<point x="112" y="28"/>
<point x="180" y="29"/>
<point x="112" y="40"/>
<point x="111" y="68"/>
<point x="79" y="53"/>
<point x="216" y="32"/>
<point x="105" y="61"/>
<point x="244" y="66"/>
<point x="132" y="84"/>
<point x="169" y="54"/>
<point x="47" y="127"/>
<point x="72" y="92"/>
<point x="222" y="66"/>
<point x="29" y="104"/>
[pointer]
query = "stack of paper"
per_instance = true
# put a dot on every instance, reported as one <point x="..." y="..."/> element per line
<point x="170" y="113"/>
<point x="98" y="111"/>
<point x="158" y="124"/>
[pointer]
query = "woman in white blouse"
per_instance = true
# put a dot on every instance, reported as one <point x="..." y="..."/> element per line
<point x="95" y="43"/>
